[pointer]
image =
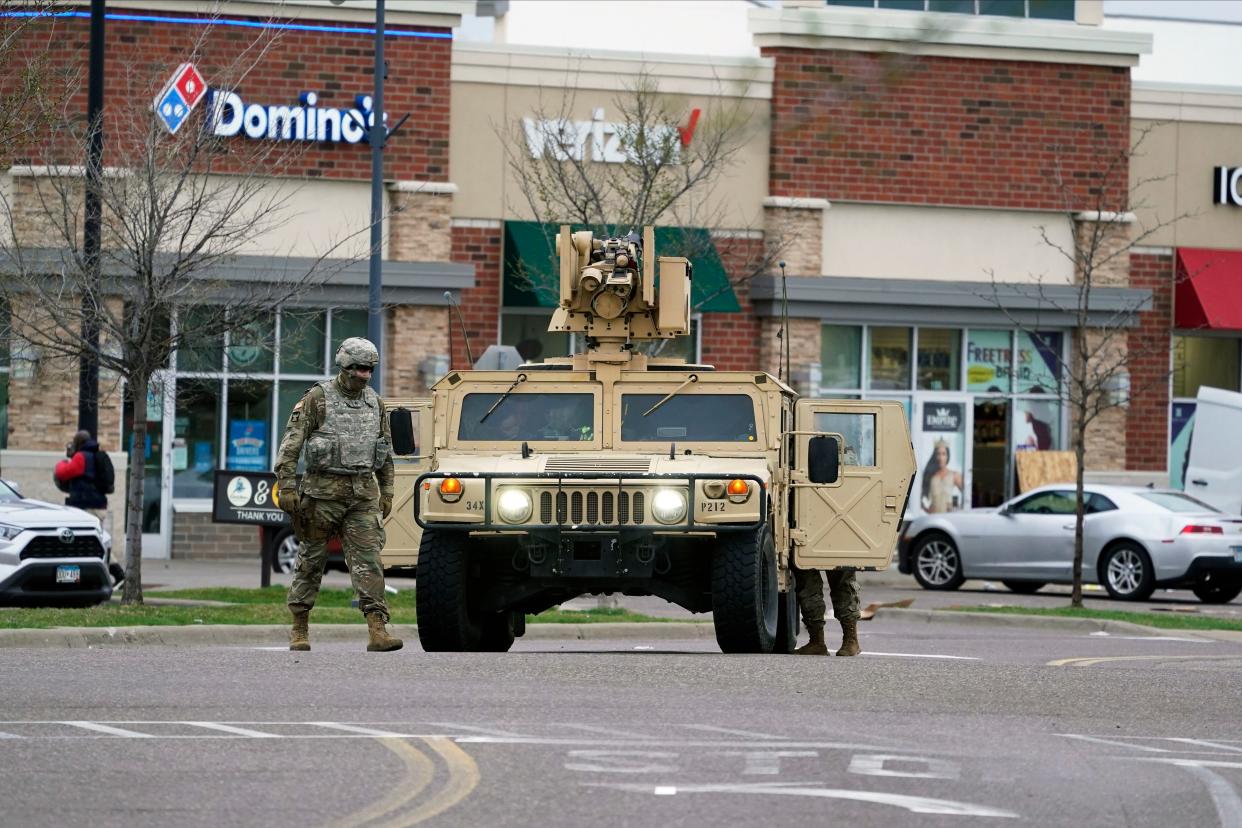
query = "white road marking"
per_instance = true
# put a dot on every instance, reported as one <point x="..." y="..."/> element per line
<point x="272" y="649"/>
<point x="10" y="736"/>
<point x="913" y="804"/>
<point x="621" y="761"/>
<point x="1112" y="742"/>
<point x="877" y="765"/>
<point x="921" y="655"/>
<point x="111" y="731"/>
<point x="487" y="731"/>
<point x="606" y="731"/>
<point x="1187" y="763"/>
<point x="1224" y="797"/>
<point x="1207" y="744"/>
<point x="236" y="731"/>
<point x="729" y="731"/>
<point x="768" y="762"/>
<point x="671" y="743"/>
<point x="365" y="731"/>
<point x="665" y="790"/>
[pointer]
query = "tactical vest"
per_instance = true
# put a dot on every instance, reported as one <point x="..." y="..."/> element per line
<point x="351" y="438"/>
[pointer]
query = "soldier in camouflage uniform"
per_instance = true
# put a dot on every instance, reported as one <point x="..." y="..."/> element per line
<point x="346" y="491"/>
<point x="843" y="586"/>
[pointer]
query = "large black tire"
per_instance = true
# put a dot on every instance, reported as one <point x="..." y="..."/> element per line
<point x="1024" y="587"/>
<point x="1218" y="589"/>
<point x="745" y="598"/>
<point x="1126" y="572"/>
<point x="787" y="622"/>
<point x="445" y="620"/>
<point x="936" y="562"/>
<point x="499" y="631"/>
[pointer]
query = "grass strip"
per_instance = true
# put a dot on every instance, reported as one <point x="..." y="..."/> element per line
<point x="1162" y="620"/>
<point x="259" y="606"/>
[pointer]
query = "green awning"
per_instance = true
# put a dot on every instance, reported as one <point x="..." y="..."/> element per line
<point x="532" y="278"/>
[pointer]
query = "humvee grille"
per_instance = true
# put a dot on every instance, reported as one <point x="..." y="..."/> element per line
<point x="590" y="463"/>
<point x="591" y="508"/>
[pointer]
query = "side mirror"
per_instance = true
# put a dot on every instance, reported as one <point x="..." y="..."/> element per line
<point x="824" y="460"/>
<point x="401" y="423"/>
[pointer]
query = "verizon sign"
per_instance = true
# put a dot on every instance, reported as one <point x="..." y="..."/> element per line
<point x="599" y="139"/>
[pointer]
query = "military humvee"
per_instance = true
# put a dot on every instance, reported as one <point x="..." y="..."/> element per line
<point x="614" y="472"/>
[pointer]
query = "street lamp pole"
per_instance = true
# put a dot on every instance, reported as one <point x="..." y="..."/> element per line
<point x="376" y="137"/>
<point x="88" y="362"/>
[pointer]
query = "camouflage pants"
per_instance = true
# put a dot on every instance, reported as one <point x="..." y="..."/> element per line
<point x="358" y="524"/>
<point x="842" y="586"/>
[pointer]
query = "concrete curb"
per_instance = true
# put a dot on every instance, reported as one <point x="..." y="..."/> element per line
<point x="270" y="635"/>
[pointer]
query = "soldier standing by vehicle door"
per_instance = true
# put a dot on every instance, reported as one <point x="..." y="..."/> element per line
<point x="347" y="490"/>
<point x="843" y="587"/>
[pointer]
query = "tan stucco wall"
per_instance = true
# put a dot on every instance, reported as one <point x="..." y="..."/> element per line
<point x="316" y="218"/>
<point x="1176" y="161"/>
<point x="890" y="241"/>
<point x="494" y="88"/>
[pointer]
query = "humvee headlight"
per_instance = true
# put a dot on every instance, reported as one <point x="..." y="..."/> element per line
<point x="514" y="506"/>
<point x="669" y="506"/>
<point x="450" y="490"/>
<point x="739" y="491"/>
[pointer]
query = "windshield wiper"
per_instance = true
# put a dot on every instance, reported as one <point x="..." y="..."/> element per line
<point x="520" y="379"/>
<point x="691" y="379"/>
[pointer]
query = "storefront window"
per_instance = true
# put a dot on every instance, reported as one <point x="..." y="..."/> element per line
<point x="530" y="335"/>
<point x="347" y="323"/>
<point x="840" y="356"/>
<point x="1204" y="360"/>
<point x="1037" y="425"/>
<point x="890" y="359"/>
<point x="940" y="359"/>
<point x="196" y="436"/>
<point x="152" y="452"/>
<point x="303" y="334"/>
<point x="252" y="346"/>
<point x="1039" y="362"/>
<point x="989" y="360"/>
<point x="249" y="435"/>
<point x="199" y="352"/>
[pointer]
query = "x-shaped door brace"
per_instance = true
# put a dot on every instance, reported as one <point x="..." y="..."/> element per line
<point x="843" y="514"/>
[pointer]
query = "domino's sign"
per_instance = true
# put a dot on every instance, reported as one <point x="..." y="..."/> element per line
<point x="228" y="115"/>
<point x="179" y="97"/>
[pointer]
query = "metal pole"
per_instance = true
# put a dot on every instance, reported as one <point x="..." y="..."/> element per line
<point x="376" y="137"/>
<point x="88" y="361"/>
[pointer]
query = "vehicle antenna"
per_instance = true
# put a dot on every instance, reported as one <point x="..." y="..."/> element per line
<point x="784" y="334"/>
<point x="448" y="297"/>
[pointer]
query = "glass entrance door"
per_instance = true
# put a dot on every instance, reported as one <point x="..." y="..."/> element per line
<point x="940" y="427"/>
<point x="989" y="474"/>
<point x="154" y="460"/>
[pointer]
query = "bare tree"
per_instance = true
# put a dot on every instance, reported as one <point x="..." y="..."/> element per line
<point x="1096" y="377"/>
<point x="640" y="169"/>
<point x="177" y="209"/>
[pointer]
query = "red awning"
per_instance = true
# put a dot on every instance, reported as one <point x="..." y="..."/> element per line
<point x="1208" y="292"/>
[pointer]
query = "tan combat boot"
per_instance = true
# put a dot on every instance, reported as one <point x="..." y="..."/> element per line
<point x="849" y="638"/>
<point x="816" y="645"/>
<point x="299" y="636"/>
<point x="380" y="641"/>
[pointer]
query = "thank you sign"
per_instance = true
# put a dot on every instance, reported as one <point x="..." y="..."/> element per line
<point x="246" y="497"/>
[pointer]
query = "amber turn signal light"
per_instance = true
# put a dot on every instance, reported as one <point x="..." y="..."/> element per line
<point x="450" y="490"/>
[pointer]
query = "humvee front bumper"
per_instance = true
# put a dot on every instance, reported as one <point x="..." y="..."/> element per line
<point x="588" y="502"/>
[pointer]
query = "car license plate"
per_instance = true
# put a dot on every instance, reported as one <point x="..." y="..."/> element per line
<point x="1237" y="553"/>
<point x="68" y="574"/>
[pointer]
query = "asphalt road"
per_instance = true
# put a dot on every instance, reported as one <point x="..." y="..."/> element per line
<point x="936" y="724"/>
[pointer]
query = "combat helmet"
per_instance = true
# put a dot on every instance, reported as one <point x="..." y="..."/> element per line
<point x="356" y="351"/>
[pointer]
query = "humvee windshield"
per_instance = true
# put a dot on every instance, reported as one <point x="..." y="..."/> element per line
<point x="708" y="418"/>
<point x="528" y="417"/>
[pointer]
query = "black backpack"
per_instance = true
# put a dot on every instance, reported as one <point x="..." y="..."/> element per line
<point x="105" y="475"/>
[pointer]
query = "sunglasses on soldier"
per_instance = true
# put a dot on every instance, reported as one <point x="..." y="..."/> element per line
<point x="359" y="367"/>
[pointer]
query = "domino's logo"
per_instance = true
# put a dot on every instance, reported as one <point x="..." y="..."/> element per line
<point x="179" y="97"/>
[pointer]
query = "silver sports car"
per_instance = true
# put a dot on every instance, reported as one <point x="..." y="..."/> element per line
<point x="1134" y="540"/>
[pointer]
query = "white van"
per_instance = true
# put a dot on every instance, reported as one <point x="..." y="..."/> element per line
<point x="1214" y="462"/>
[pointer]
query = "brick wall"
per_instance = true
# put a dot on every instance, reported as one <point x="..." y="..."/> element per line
<point x="1147" y="426"/>
<point x="268" y="67"/>
<point x="915" y="129"/>
<point x="482" y="247"/>
<point x="730" y="341"/>
<point x="195" y="536"/>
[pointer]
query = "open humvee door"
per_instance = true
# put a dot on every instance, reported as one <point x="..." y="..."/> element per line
<point x="403" y="534"/>
<point x="853" y="520"/>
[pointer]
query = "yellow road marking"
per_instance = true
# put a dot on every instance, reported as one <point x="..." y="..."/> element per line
<point x="463" y="778"/>
<point x="419" y="773"/>
<point x="1091" y="661"/>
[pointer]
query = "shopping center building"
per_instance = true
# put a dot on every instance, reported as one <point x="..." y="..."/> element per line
<point x="920" y="167"/>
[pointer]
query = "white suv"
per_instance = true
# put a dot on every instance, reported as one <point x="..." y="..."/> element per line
<point x="50" y="555"/>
